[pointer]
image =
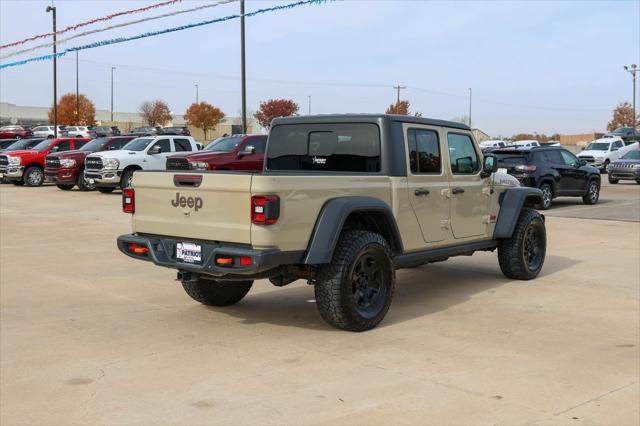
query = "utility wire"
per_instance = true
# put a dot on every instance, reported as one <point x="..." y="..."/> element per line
<point x="124" y="24"/>
<point x="92" y="21"/>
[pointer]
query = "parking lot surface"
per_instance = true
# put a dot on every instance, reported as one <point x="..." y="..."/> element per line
<point x="89" y="336"/>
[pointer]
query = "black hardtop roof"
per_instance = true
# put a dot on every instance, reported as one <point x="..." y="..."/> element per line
<point x="364" y="118"/>
<point x="524" y="151"/>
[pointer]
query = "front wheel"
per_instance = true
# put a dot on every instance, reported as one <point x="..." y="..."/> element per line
<point x="127" y="177"/>
<point x="612" y="180"/>
<point x="106" y="190"/>
<point x="521" y="257"/>
<point x="593" y="193"/>
<point x="355" y="290"/>
<point x="217" y="293"/>
<point x="33" y="176"/>
<point x="64" y="187"/>
<point x="83" y="183"/>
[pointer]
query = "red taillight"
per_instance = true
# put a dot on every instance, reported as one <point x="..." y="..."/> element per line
<point x="265" y="209"/>
<point x="128" y="200"/>
<point x="525" y="168"/>
<point x="138" y="249"/>
<point x="245" y="261"/>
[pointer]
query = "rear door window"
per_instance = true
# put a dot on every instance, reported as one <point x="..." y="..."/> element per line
<point x="462" y="154"/>
<point x="348" y="147"/>
<point x="78" y="144"/>
<point x="258" y="144"/>
<point x="182" y="144"/>
<point x="64" y="146"/>
<point x="424" y="151"/>
<point x="118" y="143"/>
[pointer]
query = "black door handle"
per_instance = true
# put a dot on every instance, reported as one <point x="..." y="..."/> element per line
<point x="421" y="191"/>
<point x="457" y="190"/>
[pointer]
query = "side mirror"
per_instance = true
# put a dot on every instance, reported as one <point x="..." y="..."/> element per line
<point x="248" y="150"/>
<point x="156" y="149"/>
<point x="582" y="163"/>
<point x="55" y="148"/>
<point x="489" y="165"/>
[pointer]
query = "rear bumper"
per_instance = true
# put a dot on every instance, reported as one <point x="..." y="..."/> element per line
<point x="66" y="176"/>
<point x="162" y="252"/>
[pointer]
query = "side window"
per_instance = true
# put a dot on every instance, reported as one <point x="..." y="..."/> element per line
<point x="463" y="156"/>
<point x="553" y="156"/>
<point x="182" y="144"/>
<point x="617" y="144"/>
<point x="164" y="144"/>
<point x="258" y="144"/>
<point x="118" y="143"/>
<point x="424" y="151"/>
<point x="569" y="158"/>
<point x="64" y="146"/>
<point x="78" y="144"/>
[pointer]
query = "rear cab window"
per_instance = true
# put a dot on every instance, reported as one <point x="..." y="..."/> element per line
<point x="182" y="144"/>
<point x="344" y="147"/>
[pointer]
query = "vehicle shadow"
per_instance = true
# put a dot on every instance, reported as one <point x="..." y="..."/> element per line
<point x="419" y="292"/>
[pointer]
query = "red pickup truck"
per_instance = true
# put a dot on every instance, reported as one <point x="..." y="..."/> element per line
<point x="66" y="169"/>
<point x="237" y="152"/>
<point x="26" y="167"/>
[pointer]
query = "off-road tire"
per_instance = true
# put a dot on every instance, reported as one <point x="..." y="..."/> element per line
<point x="217" y="293"/>
<point x="547" y="197"/>
<point x="83" y="185"/>
<point x="605" y="167"/>
<point x="106" y="190"/>
<point x="612" y="180"/>
<point x="30" y="175"/>
<point x="512" y="252"/>
<point x="125" y="181"/>
<point x="338" y="285"/>
<point x="65" y="187"/>
<point x="593" y="193"/>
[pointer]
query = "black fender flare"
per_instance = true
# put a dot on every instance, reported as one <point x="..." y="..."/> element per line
<point x="332" y="218"/>
<point x="511" y="202"/>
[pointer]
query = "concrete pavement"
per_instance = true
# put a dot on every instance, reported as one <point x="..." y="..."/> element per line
<point x="89" y="336"/>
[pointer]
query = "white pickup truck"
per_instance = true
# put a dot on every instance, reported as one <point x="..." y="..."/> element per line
<point x="602" y="152"/>
<point x="109" y="170"/>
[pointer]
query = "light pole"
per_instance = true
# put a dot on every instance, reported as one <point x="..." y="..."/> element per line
<point x="196" y="94"/>
<point x="470" y="93"/>
<point x="77" y="93"/>
<point x="633" y="69"/>
<point x="309" y="104"/>
<point x="112" y="68"/>
<point x="55" y="73"/>
<point x="242" y="70"/>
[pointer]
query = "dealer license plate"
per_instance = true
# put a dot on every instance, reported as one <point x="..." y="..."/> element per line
<point x="1" y="175"/>
<point x="502" y="170"/>
<point x="189" y="253"/>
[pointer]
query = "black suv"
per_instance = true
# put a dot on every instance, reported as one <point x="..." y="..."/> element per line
<point x="180" y="131"/>
<point x="556" y="171"/>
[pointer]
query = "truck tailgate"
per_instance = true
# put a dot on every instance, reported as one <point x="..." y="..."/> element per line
<point x="216" y="209"/>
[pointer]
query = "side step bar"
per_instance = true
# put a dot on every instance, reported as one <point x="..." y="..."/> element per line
<point x="409" y="259"/>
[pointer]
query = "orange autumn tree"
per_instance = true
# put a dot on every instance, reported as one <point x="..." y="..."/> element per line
<point x="69" y="116"/>
<point x="274" y="108"/>
<point x="155" y="113"/>
<point x="204" y="116"/>
<point x="401" y="108"/>
<point x="622" y="117"/>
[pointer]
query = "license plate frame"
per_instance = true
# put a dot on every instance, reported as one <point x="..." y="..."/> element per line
<point x="189" y="253"/>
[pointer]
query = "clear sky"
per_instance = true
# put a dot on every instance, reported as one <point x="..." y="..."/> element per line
<point x="545" y="66"/>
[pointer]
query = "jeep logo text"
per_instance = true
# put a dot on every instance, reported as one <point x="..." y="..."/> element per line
<point x="191" y="202"/>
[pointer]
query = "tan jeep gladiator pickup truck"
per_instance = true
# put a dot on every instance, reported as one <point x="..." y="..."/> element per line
<point x="342" y="202"/>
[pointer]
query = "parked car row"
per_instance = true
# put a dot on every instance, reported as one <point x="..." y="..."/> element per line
<point x="558" y="172"/>
<point x="108" y="163"/>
